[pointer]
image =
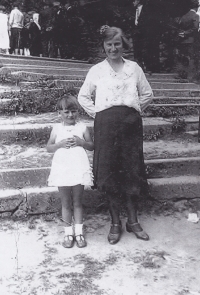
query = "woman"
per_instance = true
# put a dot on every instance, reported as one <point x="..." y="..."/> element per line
<point x="4" y="37"/>
<point x="35" y="36"/>
<point x="122" y="93"/>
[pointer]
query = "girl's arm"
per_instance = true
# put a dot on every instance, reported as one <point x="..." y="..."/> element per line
<point x="52" y="147"/>
<point x="87" y="142"/>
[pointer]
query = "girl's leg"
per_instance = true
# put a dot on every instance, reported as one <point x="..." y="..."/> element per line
<point x="66" y="200"/>
<point x="77" y="192"/>
<point x="77" y="195"/>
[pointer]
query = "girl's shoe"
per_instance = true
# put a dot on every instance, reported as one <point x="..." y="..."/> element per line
<point x="80" y="241"/>
<point x="68" y="241"/>
<point x="115" y="233"/>
<point x="137" y="230"/>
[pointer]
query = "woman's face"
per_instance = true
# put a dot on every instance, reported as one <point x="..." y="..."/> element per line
<point x="114" y="47"/>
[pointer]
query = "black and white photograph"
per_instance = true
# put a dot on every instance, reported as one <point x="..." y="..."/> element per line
<point x="99" y="147"/>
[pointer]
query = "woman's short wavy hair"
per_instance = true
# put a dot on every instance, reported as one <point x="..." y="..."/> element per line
<point x="110" y="32"/>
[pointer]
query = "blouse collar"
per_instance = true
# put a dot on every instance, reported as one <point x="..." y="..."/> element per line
<point x="127" y="70"/>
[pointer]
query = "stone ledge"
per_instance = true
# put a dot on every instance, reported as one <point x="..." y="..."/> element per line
<point x="156" y="168"/>
<point x="35" y="201"/>
<point x="179" y="187"/>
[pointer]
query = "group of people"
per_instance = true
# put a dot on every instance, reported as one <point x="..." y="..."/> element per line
<point x="156" y="25"/>
<point x="122" y="92"/>
<point x="14" y="33"/>
<point x="50" y="33"/>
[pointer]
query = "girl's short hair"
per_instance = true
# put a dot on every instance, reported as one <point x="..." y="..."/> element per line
<point x="110" y="32"/>
<point x="68" y="102"/>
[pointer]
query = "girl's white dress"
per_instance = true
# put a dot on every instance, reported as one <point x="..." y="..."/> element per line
<point x="70" y="166"/>
<point x="4" y="37"/>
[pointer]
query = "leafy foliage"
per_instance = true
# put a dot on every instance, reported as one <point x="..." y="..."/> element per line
<point x="170" y="112"/>
<point x="179" y="125"/>
<point x="153" y="135"/>
<point x="34" y="102"/>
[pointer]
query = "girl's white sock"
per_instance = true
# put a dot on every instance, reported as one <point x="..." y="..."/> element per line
<point x="78" y="229"/>
<point x="69" y="230"/>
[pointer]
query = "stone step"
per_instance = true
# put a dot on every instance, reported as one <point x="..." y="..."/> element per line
<point x="50" y="67"/>
<point x="31" y="80"/>
<point x="175" y="86"/>
<point x="44" y="70"/>
<point x="82" y="77"/>
<point x="33" y="77"/>
<point x="40" y="61"/>
<point x="163" y="76"/>
<point x="66" y="81"/>
<point x="176" y="92"/>
<point x="163" y="189"/>
<point x="30" y="60"/>
<point x="196" y="104"/>
<point x="167" y="80"/>
<point x="157" y="92"/>
<point x="150" y="125"/>
<point x="70" y="69"/>
<point x="25" y="148"/>
<point x="156" y="168"/>
<point x="154" y="85"/>
<point x="175" y="99"/>
<point x="161" y="168"/>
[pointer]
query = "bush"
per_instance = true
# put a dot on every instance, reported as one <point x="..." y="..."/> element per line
<point x="179" y="125"/>
<point x="170" y="112"/>
<point x="41" y="101"/>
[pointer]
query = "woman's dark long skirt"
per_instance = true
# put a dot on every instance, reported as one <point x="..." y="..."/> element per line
<point x="118" y="158"/>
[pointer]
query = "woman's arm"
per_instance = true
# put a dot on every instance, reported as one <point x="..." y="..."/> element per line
<point x="145" y="92"/>
<point x="87" y="143"/>
<point x="85" y="95"/>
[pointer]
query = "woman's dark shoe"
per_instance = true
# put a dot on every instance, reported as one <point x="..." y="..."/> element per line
<point x="137" y="230"/>
<point x="115" y="233"/>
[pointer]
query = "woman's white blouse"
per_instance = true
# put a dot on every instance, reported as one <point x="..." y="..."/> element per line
<point x="127" y="88"/>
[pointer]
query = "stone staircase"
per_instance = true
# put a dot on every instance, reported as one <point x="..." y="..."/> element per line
<point x="172" y="161"/>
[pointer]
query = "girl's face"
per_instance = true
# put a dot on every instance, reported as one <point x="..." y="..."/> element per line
<point x="114" y="47"/>
<point x="68" y="116"/>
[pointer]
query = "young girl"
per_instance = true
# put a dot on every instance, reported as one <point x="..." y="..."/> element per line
<point x="70" y="169"/>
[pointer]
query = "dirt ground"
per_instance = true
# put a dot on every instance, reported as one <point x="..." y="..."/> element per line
<point x="33" y="261"/>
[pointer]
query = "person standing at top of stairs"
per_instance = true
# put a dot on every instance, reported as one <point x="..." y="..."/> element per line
<point x="4" y="37"/>
<point x="148" y="29"/>
<point x="16" y="23"/>
<point x="46" y="21"/>
<point x="187" y="29"/>
<point x="35" y="36"/>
